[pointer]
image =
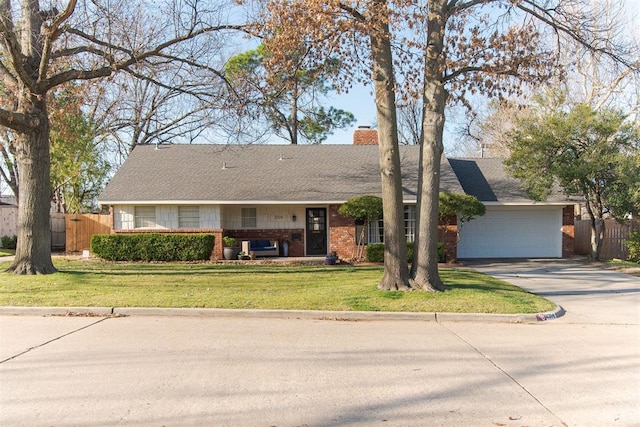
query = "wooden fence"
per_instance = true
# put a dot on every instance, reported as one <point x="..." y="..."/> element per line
<point x="9" y="226"/>
<point x="80" y="228"/>
<point x="8" y="221"/>
<point x="58" y="234"/>
<point x="613" y="245"/>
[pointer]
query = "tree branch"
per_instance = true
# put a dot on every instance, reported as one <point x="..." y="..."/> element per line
<point x="50" y="34"/>
<point x="16" y="121"/>
<point x="9" y="78"/>
<point x="11" y="44"/>
<point x="455" y="7"/>
<point x="536" y="11"/>
<point x="353" y="12"/>
<point x="133" y="58"/>
<point x="619" y="78"/>
<point x="196" y="65"/>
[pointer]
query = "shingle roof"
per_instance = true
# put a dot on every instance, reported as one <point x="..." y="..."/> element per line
<point x="260" y="173"/>
<point x="488" y="180"/>
<point x="7" y="201"/>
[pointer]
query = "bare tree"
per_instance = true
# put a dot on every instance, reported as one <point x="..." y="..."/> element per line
<point x="587" y="75"/>
<point x="133" y="111"/>
<point x="42" y="49"/>
<point x="485" y="132"/>
<point x="410" y="122"/>
<point x="594" y="77"/>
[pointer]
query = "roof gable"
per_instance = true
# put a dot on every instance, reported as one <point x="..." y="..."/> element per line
<point x="7" y="201"/>
<point x="489" y="181"/>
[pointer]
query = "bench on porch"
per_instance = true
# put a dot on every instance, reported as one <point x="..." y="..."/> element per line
<point x="261" y="247"/>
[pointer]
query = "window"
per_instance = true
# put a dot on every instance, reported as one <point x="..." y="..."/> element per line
<point x="376" y="228"/>
<point x="145" y="217"/>
<point x="188" y="217"/>
<point x="376" y="231"/>
<point x="410" y="222"/>
<point x="249" y="219"/>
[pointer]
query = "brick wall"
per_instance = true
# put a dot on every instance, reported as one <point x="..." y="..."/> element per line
<point x="342" y="231"/>
<point x="296" y="247"/>
<point x="448" y="234"/>
<point x="568" y="231"/>
<point x="342" y="235"/>
<point x="365" y="136"/>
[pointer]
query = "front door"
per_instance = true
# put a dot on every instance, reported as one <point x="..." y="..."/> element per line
<point x="316" y="231"/>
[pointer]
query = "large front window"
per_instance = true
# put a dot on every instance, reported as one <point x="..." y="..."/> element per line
<point x="376" y="228"/>
<point x="145" y="217"/>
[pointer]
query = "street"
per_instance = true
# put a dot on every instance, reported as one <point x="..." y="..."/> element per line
<point x="168" y="371"/>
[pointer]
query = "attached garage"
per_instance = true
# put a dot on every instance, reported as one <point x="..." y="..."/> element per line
<point x="513" y="232"/>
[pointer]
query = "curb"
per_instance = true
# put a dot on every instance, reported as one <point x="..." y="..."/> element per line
<point x="279" y="314"/>
<point x="56" y="311"/>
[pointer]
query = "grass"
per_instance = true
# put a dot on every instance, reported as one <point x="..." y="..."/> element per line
<point x="627" y="267"/>
<point x="95" y="283"/>
<point x="7" y="252"/>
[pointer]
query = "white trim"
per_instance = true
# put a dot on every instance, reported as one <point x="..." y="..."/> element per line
<point x="217" y="202"/>
<point x="304" y="202"/>
<point x="531" y="203"/>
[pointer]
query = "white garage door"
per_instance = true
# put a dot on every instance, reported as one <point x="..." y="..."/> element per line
<point x="513" y="232"/>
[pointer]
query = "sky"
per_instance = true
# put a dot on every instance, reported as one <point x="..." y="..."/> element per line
<point x="360" y="101"/>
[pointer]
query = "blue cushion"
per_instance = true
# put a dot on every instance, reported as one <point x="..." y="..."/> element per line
<point x="261" y="244"/>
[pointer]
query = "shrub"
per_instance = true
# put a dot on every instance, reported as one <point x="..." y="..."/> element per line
<point x="375" y="252"/>
<point x="633" y="244"/>
<point x="9" y="242"/>
<point x="152" y="247"/>
<point x="229" y="242"/>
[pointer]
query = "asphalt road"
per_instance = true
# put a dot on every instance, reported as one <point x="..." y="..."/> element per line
<point x="580" y="370"/>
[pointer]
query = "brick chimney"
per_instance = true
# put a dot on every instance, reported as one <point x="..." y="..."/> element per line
<point x="364" y="135"/>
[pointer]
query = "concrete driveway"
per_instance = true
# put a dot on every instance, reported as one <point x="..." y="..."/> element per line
<point x="588" y="294"/>
<point x="580" y="370"/>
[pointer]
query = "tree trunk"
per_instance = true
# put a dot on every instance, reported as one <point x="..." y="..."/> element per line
<point x="33" y="253"/>
<point x="396" y="272"/>
<point x="424" y="269"/>
<point x="597" y="237"/>
<point x="294" y="114"/>
<point x="595" y="215"/>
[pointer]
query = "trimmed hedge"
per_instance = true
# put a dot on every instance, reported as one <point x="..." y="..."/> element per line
<point x="9" y="242"/>
<point x="152" y="247"/>
<point x="633" y="244"/>
<point x="375" y="252"/>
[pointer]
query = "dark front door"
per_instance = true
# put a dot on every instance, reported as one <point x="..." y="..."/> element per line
<point x="316" y="231"/>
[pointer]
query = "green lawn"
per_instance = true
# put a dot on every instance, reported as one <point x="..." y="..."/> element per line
<point x="95" y="283"/>
<point x="7" y="252"/>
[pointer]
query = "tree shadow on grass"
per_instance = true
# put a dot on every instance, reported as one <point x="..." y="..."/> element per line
<point x="212" y="272"/>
